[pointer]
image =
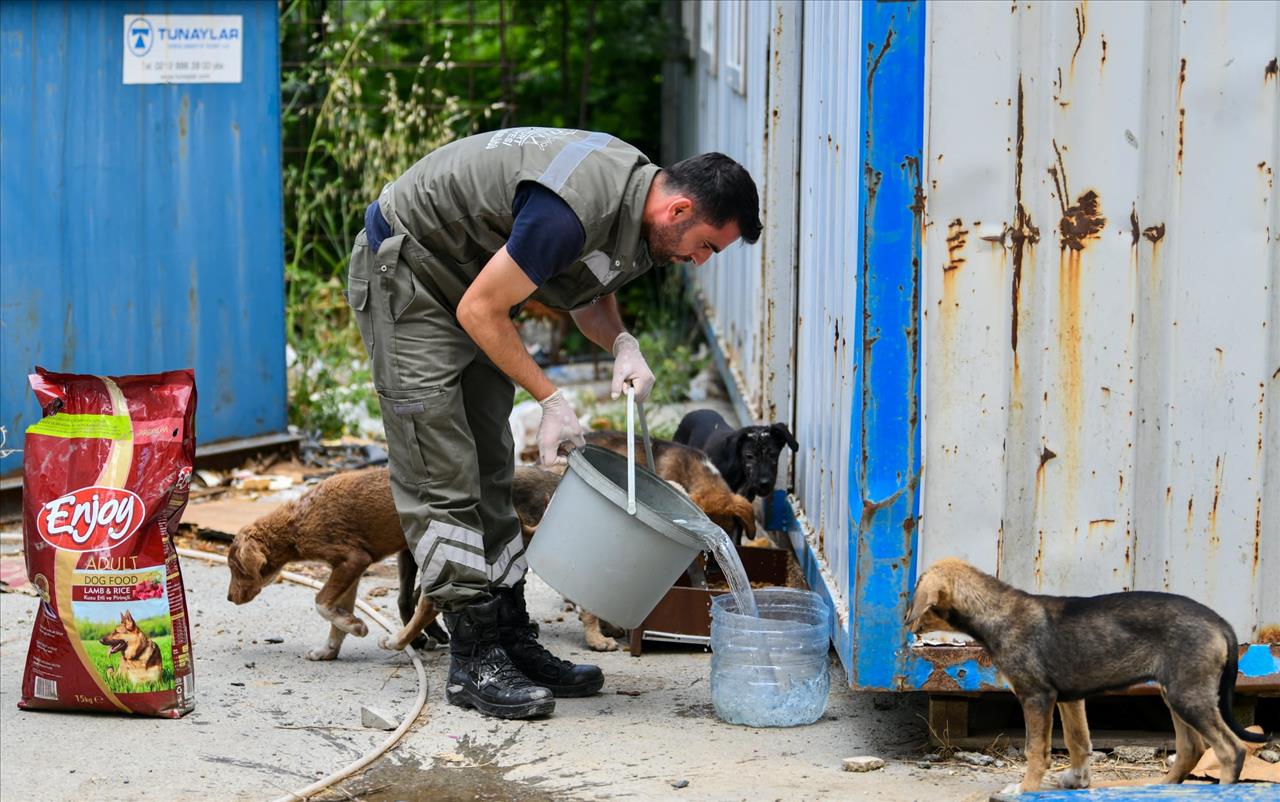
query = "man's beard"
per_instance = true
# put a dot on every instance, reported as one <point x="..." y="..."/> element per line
<point x="663" y="241"/>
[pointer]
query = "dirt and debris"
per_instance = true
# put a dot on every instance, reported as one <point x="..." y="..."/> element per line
<point x="862" y="764"/>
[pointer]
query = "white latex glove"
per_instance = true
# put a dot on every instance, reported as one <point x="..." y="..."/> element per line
<point x="559" y="424"/>
<point x="629" y="367"/>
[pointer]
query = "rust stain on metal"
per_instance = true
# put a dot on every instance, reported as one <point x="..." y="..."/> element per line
<point x="1081" y="221"/>
<point x="1270" y="71"/>
<point x="1154" y="233"/>
<point x="1024" y="234"/>
<point x="1270" y="633"/>
<point x="1104" y="524"/>
<point x="1133" y="223"/>
<point x="1182" y="112"/>
<point x="1257" y="535"/>
<point x="875" y="63"/>
<point x="1214" y="539"/>
<point x="1081" y="26"/>
<point x="1182" y="127"/>
<point x="1103" y="63"/>
<point x="1070" y="332"/>
<point x="957" y="238"/>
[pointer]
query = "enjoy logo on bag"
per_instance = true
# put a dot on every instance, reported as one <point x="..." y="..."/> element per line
<point x="106" y="476"/>
<point x="90" y="518"/>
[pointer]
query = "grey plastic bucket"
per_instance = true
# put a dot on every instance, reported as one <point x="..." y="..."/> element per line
<point x="617" y="565"/>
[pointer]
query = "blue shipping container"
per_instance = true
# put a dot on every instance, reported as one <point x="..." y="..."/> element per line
<point x="141" y="225"/>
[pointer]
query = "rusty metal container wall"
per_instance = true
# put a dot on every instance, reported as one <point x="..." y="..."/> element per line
<point x="1102" y="299"/>
<point x="141" y="226"/>
<point x="827" y="279"/>
<point x="732" y="122"/>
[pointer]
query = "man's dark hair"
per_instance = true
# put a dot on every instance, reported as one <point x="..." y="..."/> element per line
<point x="722" y="190"/>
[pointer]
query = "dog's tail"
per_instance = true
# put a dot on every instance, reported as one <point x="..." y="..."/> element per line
<point x="1226" y="692"/>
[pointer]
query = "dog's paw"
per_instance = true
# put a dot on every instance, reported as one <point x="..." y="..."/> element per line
<point x="350" y="624"/>
<point x="599" y="643"/>
<point x="325" y="652"/>
<point x="1011" y="788"/>
<point x="1071" y="778"/>
<point x="389" y="643"/>
<point x="612" y="630"/>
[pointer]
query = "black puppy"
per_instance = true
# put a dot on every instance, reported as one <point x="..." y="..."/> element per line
<point x="747" y="458"/>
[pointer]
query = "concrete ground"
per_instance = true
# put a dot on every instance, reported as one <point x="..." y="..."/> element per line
<point x="267" y="720"/>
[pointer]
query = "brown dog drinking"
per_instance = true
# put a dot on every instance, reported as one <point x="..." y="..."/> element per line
<point x="1063" y="649"/>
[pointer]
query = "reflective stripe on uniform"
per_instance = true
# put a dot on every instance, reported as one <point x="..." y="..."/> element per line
<point x="568" y="159"/>
<point x="443" y="543"/>
<point x="509" y="562"/>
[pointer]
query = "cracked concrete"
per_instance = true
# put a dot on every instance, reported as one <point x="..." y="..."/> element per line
<point x="292" y="720"/>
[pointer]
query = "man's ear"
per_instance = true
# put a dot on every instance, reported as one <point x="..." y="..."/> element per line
<point x="782" y="434"/>
<point x="679" y="209"/>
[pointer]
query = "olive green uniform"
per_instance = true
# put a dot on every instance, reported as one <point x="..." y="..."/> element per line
<point x="445" y="405"/>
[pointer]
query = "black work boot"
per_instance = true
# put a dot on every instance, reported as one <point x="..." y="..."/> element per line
<point x="481" y="675"/>
<point x="519" y="636"/>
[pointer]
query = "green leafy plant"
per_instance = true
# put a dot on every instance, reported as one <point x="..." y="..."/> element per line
<point x="368" y="88"/>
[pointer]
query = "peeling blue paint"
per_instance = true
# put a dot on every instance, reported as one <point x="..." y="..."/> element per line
<point x="1258" y="661"/>
<point x="138" y="233"/>
<point x="1240" y="792"/>
<point x="973" y="676"/>
<point x="884" y="429"/>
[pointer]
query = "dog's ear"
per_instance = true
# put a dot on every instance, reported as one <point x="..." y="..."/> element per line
<point x="931" y="597"/>
<point x="246" y="557"/>
<point x="784" y="436"/>
<point x="126" y="618"/>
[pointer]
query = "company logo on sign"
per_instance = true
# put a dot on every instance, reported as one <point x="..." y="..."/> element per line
<point x="140" y="36"/>
<point x="90" y="518"/>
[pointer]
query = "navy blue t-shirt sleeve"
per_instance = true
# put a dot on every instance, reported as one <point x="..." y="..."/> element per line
<point x="547" y="236"/>
<point x="376" y="228"/>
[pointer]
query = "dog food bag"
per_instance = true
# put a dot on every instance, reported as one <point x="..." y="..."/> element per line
<point x="105" y="478"/>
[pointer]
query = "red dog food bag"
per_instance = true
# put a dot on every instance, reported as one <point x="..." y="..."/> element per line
<point x="105" y="480"/>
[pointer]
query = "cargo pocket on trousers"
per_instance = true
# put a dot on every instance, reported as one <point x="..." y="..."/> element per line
<point x="358" y="299"/>
<point x="418" y="443"/>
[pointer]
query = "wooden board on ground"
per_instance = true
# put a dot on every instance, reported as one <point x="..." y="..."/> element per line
<point x="220" y="520"/>
<point x="1102" y="739"/>
<point x="1255" y="769"/>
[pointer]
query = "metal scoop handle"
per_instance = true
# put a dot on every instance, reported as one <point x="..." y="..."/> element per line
<point x="632" y="405"/>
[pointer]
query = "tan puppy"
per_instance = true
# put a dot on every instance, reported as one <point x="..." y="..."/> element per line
<point x="1063" y="649"/>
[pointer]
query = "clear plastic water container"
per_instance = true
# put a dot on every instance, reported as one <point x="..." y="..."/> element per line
<point x="770" y="671"/>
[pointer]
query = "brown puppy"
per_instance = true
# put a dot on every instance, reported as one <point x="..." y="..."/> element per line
<point x="348" y="521"/>
<point x="694" y="472"/>
<point x="1062" y="649"/>
<point x="140" y="660"/>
